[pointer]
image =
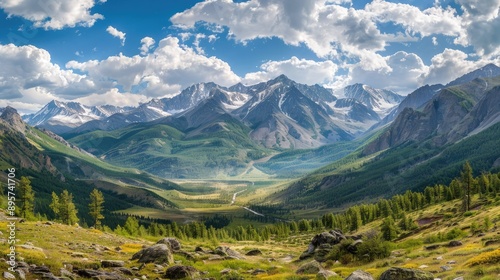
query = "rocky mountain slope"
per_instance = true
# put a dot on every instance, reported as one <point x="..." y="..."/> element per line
<point x="448" y="117"/>
<point x="61" y="117"/>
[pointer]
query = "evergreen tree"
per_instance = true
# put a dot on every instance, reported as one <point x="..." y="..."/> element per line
<point x="96" y="207"/>
<point x="131" y="226"/>
<point x="54" y="205"/>
<point x="467" y="182"/>
<point x="64" y="208"/>
<point x="389" y="229"/>
<point x="483" y="185"/>
<point x="26" y="198"/>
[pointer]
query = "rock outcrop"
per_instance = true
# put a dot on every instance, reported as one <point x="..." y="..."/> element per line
<point x="158" y="253"/>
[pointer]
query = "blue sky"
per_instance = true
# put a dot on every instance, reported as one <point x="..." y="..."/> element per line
<point x="125" y="52"/>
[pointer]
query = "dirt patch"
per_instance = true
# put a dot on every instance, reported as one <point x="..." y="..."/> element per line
<point x="428" y="220"/>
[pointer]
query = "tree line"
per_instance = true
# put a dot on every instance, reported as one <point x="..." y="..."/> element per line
<point x="392" y="211"/>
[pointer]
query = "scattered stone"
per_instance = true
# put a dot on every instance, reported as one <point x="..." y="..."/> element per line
<point x="175" y="245"/>
<point x="22" y="265"/>
<point x="254" y="252"/>
<point x="158" y="253"/>
<point x="181" y="272"/>
<point x="226" y="251"/>
<point x="49" y="223"/>
<point x="200" y="249"/>
<point x="49" y="276"/>
<point x="482" y="234"/>
<point x="451" y="262"/>
<point x="8" y="275"/>
<point x="455" y="243"/>
<point x="67" y="273"/>
<point x="78" y="255"/>
<point x="186" y="255"/>
<point x="446" y="268"/>
<point x="225" y="271"/>
<point x="440" y="258"/>
<point x="215" y="258"/>
<point x="432" y="247"/>
<point x="21" y="273"/>
<point x="112" y="263"/>
<point x="312" y="267"/>
<point x="398" y="273"/>
<point x="258" y="271"/>
<point x="423" y="266"/>
<point x="360" y="275"/>
<point x="99" y="274"/>
<point x="459" y="278"/>
<point x="39" y="270"/>
<point x="491" y="242"/>
<point x="325" y="274"/>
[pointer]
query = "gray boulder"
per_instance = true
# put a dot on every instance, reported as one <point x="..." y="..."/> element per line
<point x="112" y="263"/>
<point x="325" y="274"/>
<point x="158" y="253"/>
<point x="228" y="252"/>
<point x="8" y="275"/>
<point x="398" y="273"/>
<point x="175" y="245"/>
<point x="181" y="272"/>
<point x="455" y="243"/>
<point x="312" y="267"/>
<point x="254" y="252"/>
<point x="360" y="275"/>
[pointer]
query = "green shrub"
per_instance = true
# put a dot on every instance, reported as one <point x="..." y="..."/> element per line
<point x="455" y="233"/>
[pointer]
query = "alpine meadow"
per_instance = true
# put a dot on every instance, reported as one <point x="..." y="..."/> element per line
<point x="250" y="139"/>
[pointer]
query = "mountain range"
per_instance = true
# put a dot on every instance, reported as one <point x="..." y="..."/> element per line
<point x="284" y="128"/>
<point x="324" y="118"/>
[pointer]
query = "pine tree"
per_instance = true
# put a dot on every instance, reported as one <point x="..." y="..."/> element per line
<point x="96" y="207"/>
<point x="54" y="205"/>
<point x="483" y="185"/>
<point x="26" y="198"/>
<point x="467" y="181"/>
<point x="67" y="210"/>
<point x="389" y="229"/>
<point x="64" y="208"/>
<point x="131" y="226"/>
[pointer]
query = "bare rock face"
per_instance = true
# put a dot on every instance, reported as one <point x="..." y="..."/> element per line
<point x="398" y="273"/>
<point x="11" y="117"/>
<point x="158" y="253"/>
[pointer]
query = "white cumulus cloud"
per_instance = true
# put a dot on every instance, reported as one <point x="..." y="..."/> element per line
<point x="147" y="44"/>
<point x="164" y="71"/>
<point x="116" y="33"/>
<point x="300" y="70"/>
<point x="53" y="14"/>
<point x="401" y="77"/>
